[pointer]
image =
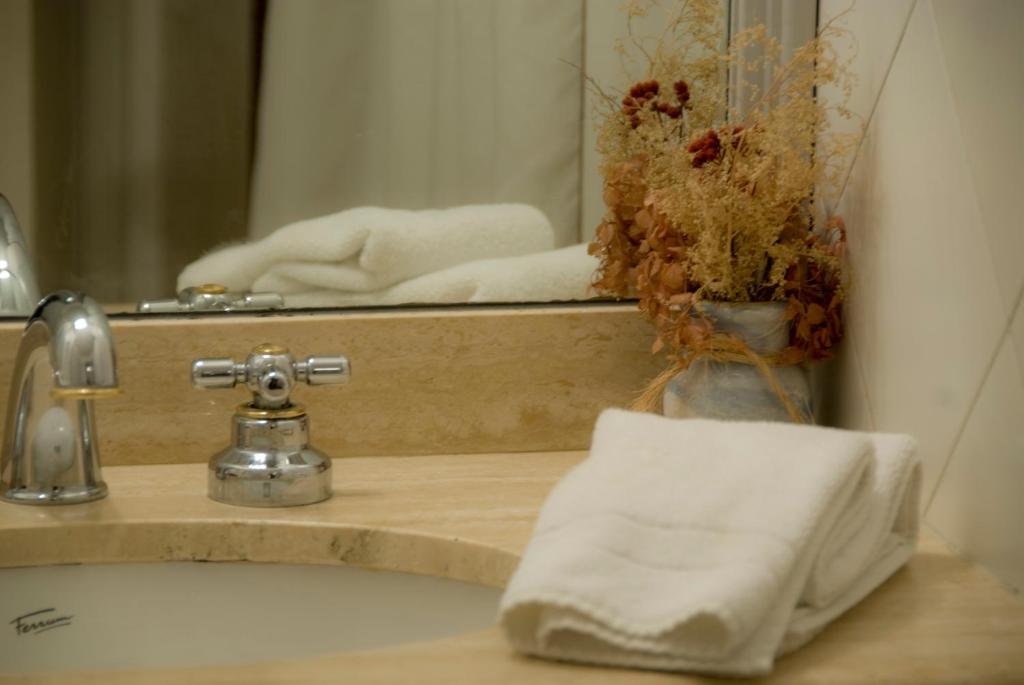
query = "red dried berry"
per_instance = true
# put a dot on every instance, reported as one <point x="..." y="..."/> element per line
<point x="705" y="149"/>
<point x="669" y="110"/>
<point x="682" y="92"/>
<point x="645" y="90"/>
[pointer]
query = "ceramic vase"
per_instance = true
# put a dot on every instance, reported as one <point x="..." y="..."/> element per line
<point x="735" y="390"/>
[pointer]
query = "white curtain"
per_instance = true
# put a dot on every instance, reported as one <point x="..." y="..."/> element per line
<point x="141" y="138"/>
<point x="419" y="103"/>
<point x="791" y="22"/>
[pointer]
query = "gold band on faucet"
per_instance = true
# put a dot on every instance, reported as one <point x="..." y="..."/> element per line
<point x="269" y="348"/>
<point x="59" y="393"/>
<point x="248" y="411"/>
<point x="210" y="289"/>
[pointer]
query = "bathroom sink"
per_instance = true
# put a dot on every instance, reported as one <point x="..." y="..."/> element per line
<point x="150" y="615"/>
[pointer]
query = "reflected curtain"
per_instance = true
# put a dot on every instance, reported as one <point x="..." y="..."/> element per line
<point x="791" y="22"/>
<point x="142" y="141"/>
<point x="419" y="103"/>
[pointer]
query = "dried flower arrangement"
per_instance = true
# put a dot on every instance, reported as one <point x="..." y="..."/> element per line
<point x="708" y="201"/>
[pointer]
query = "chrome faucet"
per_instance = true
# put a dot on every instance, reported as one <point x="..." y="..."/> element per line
<point x="65" y="360"/>
<point x="19" y="291"/>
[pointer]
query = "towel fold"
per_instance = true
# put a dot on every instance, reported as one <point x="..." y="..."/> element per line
<point x="369" y="248"/>
<point x="710" y="546"/>
<point x="563" y="274"/>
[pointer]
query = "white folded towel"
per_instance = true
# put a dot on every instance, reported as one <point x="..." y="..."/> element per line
<point x="710" y="546"/>
<point x="370" y="248"/>
<point x="563" y="274"/>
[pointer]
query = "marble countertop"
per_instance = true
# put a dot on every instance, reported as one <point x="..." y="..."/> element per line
<point x="940" y="620"/>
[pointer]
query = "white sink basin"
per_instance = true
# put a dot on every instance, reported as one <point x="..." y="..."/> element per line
<point x="121" y="616"/>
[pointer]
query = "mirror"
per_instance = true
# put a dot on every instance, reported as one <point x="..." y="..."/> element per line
<point x="346" y="152"/>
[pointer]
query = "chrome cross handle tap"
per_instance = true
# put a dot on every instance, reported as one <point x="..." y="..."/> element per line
<point x="270" y="372"/>
<point x="270" y="462"/>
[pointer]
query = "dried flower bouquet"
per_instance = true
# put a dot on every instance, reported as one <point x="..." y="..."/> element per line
<point x="715" y="194"/>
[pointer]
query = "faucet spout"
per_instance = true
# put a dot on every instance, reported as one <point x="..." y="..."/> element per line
<point x="65" y="360"/>
<point x="19" y="291"/>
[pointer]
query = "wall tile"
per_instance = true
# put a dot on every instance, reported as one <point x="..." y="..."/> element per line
<point x="875" y="30"/>
<point x="839" y="386"/>
<point x="1017" y="335"/>
<point x="978" y="506"/>
<point x="981" y="47"/>
<point x="925" y="308"/>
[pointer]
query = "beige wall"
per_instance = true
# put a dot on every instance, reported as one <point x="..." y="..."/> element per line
<point x="16" y="162"/>
<point x="934" y="207"/>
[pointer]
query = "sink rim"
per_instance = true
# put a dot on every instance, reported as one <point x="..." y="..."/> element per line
<point x="281" y="542"/>
<point x="64" y="542"/>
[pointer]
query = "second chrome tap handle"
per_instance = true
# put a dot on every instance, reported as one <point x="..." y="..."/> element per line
<point x="217" y="373"/>
<point x="270" y="373"/>
<point x="323" y="370"/>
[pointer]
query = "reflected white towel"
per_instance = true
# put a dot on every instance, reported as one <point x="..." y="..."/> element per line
<point x="710" y="546"/>
<point x="563" y="274"/>
<point x="370" y="248"/>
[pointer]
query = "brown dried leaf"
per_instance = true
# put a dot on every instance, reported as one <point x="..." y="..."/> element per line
<point x="612" y="197"/>
<point x="681" y="299"/>
<point x="803" y="329"/>
<point x="672" y="277"/>
<point x="643" y="220"/>
<point x="791" y="355"/>
<point x="793" y="310"/>
<point x="815" y="314"/>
